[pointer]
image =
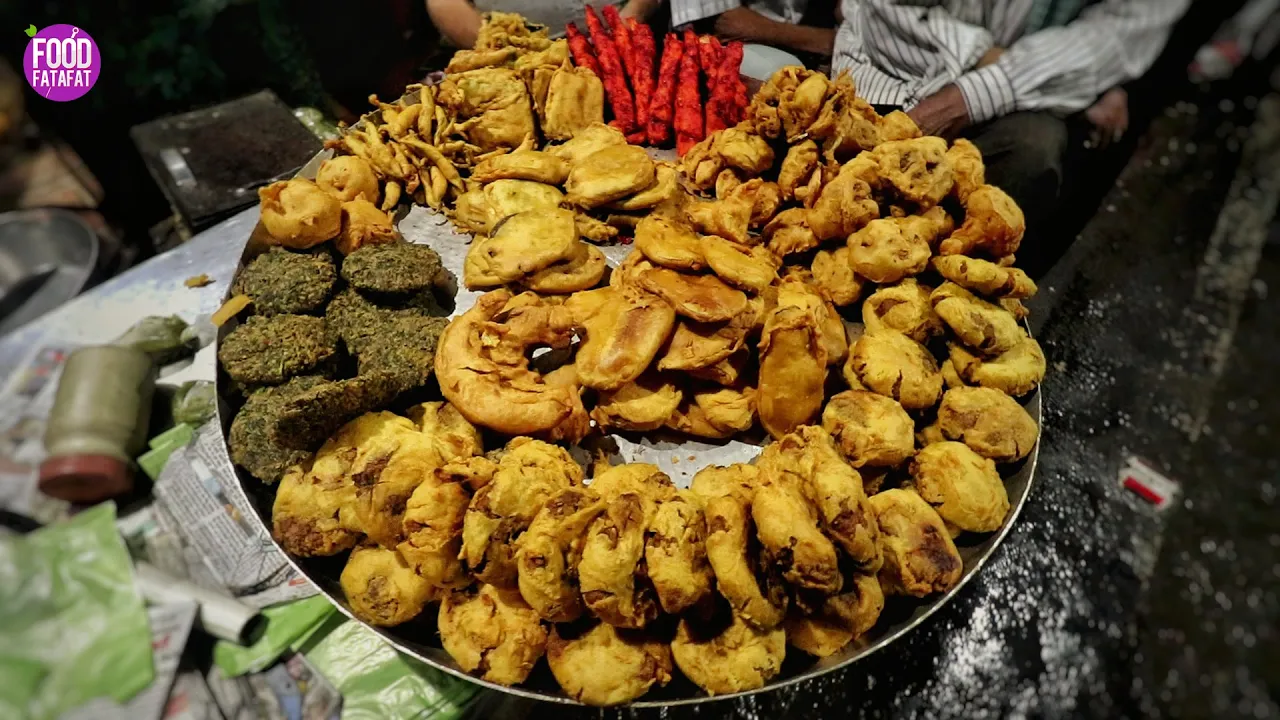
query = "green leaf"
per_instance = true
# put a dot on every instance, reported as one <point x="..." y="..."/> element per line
<point x="31" y="31"/>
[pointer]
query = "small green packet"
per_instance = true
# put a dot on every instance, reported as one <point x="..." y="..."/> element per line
<point x="286" y="625"/>
<point x="72" y="626"/>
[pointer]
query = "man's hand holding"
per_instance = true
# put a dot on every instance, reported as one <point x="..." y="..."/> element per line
<point x="943" y="113"/>
<point x="1110" y="118"/>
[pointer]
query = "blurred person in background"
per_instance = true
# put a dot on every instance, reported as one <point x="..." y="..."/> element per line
<point x="1005" y="74"/>
<point x="795" y="25"/>
<point x="459" y="20"/>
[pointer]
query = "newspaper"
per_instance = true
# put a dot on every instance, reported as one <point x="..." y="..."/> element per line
<point x="25" y="402"/>
<point x="289" y="690"/>
<point x="214" y="519"/>
<point x="191" y="699"/>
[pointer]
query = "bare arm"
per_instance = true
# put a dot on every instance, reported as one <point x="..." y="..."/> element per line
<point x="457" y="20"/>
<point x="640" y="9"/>
<point x="742" y="23"/>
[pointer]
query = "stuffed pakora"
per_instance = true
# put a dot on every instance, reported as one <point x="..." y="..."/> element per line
<point x="603" y="665"/>
<point x="990" y="422"/>
<point x="919" y="557"/>
<point x="1016" y="371"/>
<point x="666" y="185"/>
<point x="481" y="209"/>
<point x="970" y="172"/>
<point x="890" y="249"/>
<point x="728" y="654"/>
<point x="789" y="232"/>
<point x="665" y="241"/>
<point x="624" y="328"/>
<point x="728" y="218"/>
<point x="676" y="553"/>
<point x="381" y="588"/>
<point x="703" y="298"/>
<point x="644" y="404"/>
<point x="892" y="364"/>
<point x="801" y="160"/>
<point x="984" y="326"/>
<point x="492" y="633"/>
<point x="787" y="528"/>
<point x="904" y="307"/>
<point x="348" y="177"/>
<point x="870" y="429"/>
<point x="574" y="102"/>
<point x="609" y="174"/>
<point x="917" y="170"/>
<point x="749" y="268"/>
<point x="587" y="142"/>
<point x="840" y="619"/>
<point x="524" y="244"/>
<point x="696" y="345"/>
<point x="364" y="224"/>
<point x="549" y="553"/>
<point x="612" y="587"/>
<point x="961" y="485"/>
<point x="793" y="369"/>
<point x="299" y="214"/>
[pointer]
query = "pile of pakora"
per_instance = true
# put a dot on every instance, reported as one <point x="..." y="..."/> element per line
<point x="818" y="280"/>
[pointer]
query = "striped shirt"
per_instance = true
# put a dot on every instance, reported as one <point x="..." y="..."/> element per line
<point x="687" y="11"/>
<point x="902" y="51"/>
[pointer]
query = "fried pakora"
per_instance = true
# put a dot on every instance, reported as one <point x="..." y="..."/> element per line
<point x="961" y="485"/>
<point x="966" y="161"/>
<point x="432" y="527"/>
<point x="314" y="515"/>
<point x="299" y="214"/>
<point x="268" y="350"/>
<point x="666" y="185"/>
<point x="285" y="282"/>
<point x="603" y="665"/>
<point x="696" y="345"/>
<point x="575" y="101"/>
<point x="381" y="588"/>
<point x="982" y="325"/>
<point x="729" y="372"/>
<point x="1016" y="371"/>
<point x="676" y="553"/>
<point x="550" y="549"/>
<point x="715" y="413"/>
<point x="582" y="270"/>
<point x="348" y="177"/>
<point x="524" y="244"/>
<point x="728" y="655"/>
<point x="801" y="161"/>
<point x="870" y="429"/>
<point x="609" y="174"/>
<point x="993" y="225"/>
<point x="492" y="633"/>
<point x="916" y="170"/>
<point x="890" y="249"/>
<point x="793" y="368"/>
<point x="834" y="278"/>
<point x="845" y="204"/>
<point x="985" y="277"/>
<point x="587" y="142"/>
<point x="492" y="105"/>
<point x="728" y="218"/>
<point x="624" y="328"/>
<point x="892" y="364"/>
<point x="789" y="232"/>
<point x="904" y="307"/>
<point x="612" y="588"/>
<point x="749" y="268"/>
<point x="534" y="165"/>
<point x="363" y="224"/>
<point x="395" y="268"/>
<point x="919" y="556"/>
<point x="841" y="618"/>
<point x="787" y="528"/>
<point x="644" y="404"/>
<point x="735" y="147"/>
<point x="669" y="243"/>
<point x="481" y="209"/>
<point x="703" y="298"/>
<point x="990" y="422"/>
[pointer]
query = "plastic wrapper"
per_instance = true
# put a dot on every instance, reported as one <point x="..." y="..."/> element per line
<point x="194" y="402"/>
<point x="164" y="338"/>
<point x="287" y="626"/>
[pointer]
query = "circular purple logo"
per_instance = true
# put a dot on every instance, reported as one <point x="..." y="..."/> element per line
<point x="61" y="62"/>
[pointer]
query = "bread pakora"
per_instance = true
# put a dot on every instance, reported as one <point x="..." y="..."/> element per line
<point x="993" y="225"/>
<point x="534" y="165"/>
<point x="919" y="556"/>
<point x="492" y="633"/>
<point x="892" y="364"/>
<point x="575" y="101"/>
<point x="299" y="214"/>
<point x="547" y="561"/>
<point x="624" y="328"/>
<point x="704" y="298"/>
<point x="961" y="485"/>
<point x="990" y="422"/>
<point x="983" y="326"/>
<point x="697" y="345"/>
<point x="729" y="654"/>
<point x="669" y="243"/>
<point x="381" y="588"/>
<point x="870" y="429"/>
<point x="643" y="404"/>
<point x="528" y="473"/>
<point x="984" y="276"/>
<point x="715" y="413"/>
<point x="582" y="270"/>
<point x="525" y="243"/>
<point x="904" y="307"/>
<point x="348" y="177"/>
<point x="751" y="268"/>
<point x="609" y="174"/>
<point x="676" y="553"/>
<point x="793" y="369"/>
<point x="1016" y="371"/>
<point x="603" y="665"/>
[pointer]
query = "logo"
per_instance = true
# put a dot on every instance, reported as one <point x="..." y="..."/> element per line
<point x="61" y="62"/>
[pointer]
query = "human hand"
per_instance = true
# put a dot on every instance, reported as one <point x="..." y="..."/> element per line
<point x="1110" y="118"/>
<point x="942" y="113"/>
<point x="990" y="57"/>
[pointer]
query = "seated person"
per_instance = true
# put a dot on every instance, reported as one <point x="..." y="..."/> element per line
<point x="459" y="20"/>
<point x="1005" y="74"/>
<point x="766" y="22"/>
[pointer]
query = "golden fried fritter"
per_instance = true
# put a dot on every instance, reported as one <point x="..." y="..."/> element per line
<point x="715" y="413"/>
<point x="669" y="243"/>
<point x="432" y="526"/>
<point x="904" y="307"/>
<point x="624" y="327"/>
<point x="641" y="405"/>
<point x="961" y="485"/>
<point x="704" y="298"/>
<point x="834" y="278"/>
<point x="384" y="483"/>
<point x="314" y="514"/>
<point x="587" y="142"/>
<point x="990" y="422"/>
<point x="550" y="550"/>
<point x="713" y="481"/>
<point x="492" y="633"/>
<point x="363" y="224"/>
<point x="798" y="107"/>
<point x="787" y="528"/>
<point x="613" y="481"/>
<point x="966" y="161"/>
<point x="606" y="666"/>
<point x="348" y="177"/>
<point x="697" y="345"/>
<point x="793" y="368"/>
<point x="735" y="147"/>
<point x="797" y="167"/>
<point x="750" y="268"/>
<point x="845" y="204"/>
<point x="789" y="232"/>
<point x="985" y="277"/>
<point x="890" y="249"/>
<point x="816" y="635"/>
<point x="532" y="165"/>
<point x="892" y="364"/>
<point x="609" y="174"/>
<point x="525" y="243"/>
<point x="728" y="655"/>
<point x="726" y="373"/>
<point x="840" y="619"/>
<point x="765" y="199"/>
<point x="479" y="210"/>
<point x="930" y="434"/>
<point x="580" y="271"/>
<point x="1016" y="371"/>
<point x="729" y="218"/>
<point x="381" y="588"/>
<point x="299" y="214"/>
<point x="917" y="170"/>
<point x="870" y="429"/>
<point x="528" y="473"/>
<point x="993" y="225"/>
<point x="676" y="553"/>
<point x="666" y="185"/>
<point x="982" y="325"/>
<point x="898" y="125"/>
<point x="575" y="101"/>
<point x="919" y="556"/>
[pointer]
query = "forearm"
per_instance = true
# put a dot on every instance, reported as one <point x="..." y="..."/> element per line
<point x="639" y="9"/>
<point x="745" y="24"/>
<point x="457" y="20"/>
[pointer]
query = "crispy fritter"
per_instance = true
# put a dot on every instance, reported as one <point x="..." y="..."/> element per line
<point x="892" y="364"/>
<point x="492" y="105"/>
<point x="547" y="561"/>
<point x="834" y="278"/>
<point x="793" y="368"/>
<point x="715" y="413"/>
<point x="789" y="232"/>
<point x="917" y="170"/>
<point x="966" y="161"/>
<point x="582" y="270"/>
<point x="666" y="185"/>
<point x="532" y="165"/>
<point x="676" y="553"/>
<point x="285" y="282"/>
<point x="728" y="654"/>
<point x="641" y="405"/>
<point x="845" y="204"/>
<point x="624" y="327"/>
<point x="314" y="515"/>
<point x="993" y="225"/>
<point x="611" y="554"/>
<point x="904" y="307"/>
<point x="270" y="350"/>
<point x="787" y="528"/>
<point x="609" y="174"/>
<point x="364" y="224"/>
<point x="604" y="665"/>
<point x="797" y="167"/>
<point x="990" y="422"/>
<point x="984" y="276"/>
<point x="729" y="372"/>
<point x="841" y="618"/>
<point x="525" y="243"/>
<point x="961" y="485"/>
<point x="919" y="556"/>
<point x="348" y="177"/>
<point x="704" y="298"/>
<point x="381" y="588"/>
<point x="750" y="268"/>
<point x="298" y="214"/>
<point x="729" y="218"/>
<point x="432" y="527"/>
<point x="575" y="101"/>
<point x="696" y="345"/>
<point x="585" y="143"/>
<point x="668" y="242"/>
<point x="492" y="633"/>
<point x="983" y="326"/>
<point x="1016" y="371"/>
<point x="481" y="209"/>
<point x="890" y="249"/>
<point x="870" y="429"/>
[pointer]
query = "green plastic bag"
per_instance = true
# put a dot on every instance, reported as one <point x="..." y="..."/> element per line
<point x="288" y="624"/>
<point x="378" y="683"/>
<point x="72" y="626"/>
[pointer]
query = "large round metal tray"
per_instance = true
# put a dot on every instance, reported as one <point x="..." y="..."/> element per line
<point x="678" y="457"/>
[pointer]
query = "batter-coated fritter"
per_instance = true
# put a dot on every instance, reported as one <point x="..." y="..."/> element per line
<point x="728" y="655"/>
<point x="587" y="142"/>
<point x="611" y="554"/>
<point x="668" y="242"/>
<point x="919" y="556"/>
<point x="582" y="270"/>
<point x="870" y="429"/>
<point x="676" y="553"/>
<point x="298" y="214"/>
<point x="917" y="170"/>
<point x="961" y="485"/>
<point x="285" y="282"/>
<point x="348" y="177"/>
<point x="604" y="665"/>
<point x="432" y="527"/>
<point x="890" y="249"/>
<point x="704" y="298"/>
<point x="983" y="326"/>
<point x="524" y="244"/>
<point x="665" y="186"/>
<point x="313" y="515"/>
<point x="789" y="232"/>
<point x="480" y="209"/>
<point x="715" y="413"/>
<point x="990" y="422"/>
<point x="797" y="167"/>
<point x="787" y="528"/>
<point x="751" y="268"/>
<point x="840" y="619"/>
<point x="609" y="174"/>
<point x="966" y="161"/>
<point x="641" y="405"/>
<point x="993" y="226"/>
<point x="729" y="372"/>
<point x="401" y="267"/>
<point x="728" y="218"/>
<point x="984" y="276"/>
<point x="532" y="165"/>
<point x="845" y="204"/>
<point x="364" y="224"/>
<point x="697" y="345"/>
<point x="528" y="474"/>
<point x="550" y="550"/>
<point x="1016" y="371"/>
<point x="624" y="328"/>
<point x="793" y="369"/>
<point x="904" y="307"/>
<point x="492" y="633"/>
<point x="381" y="588"/>
<point x="834" y="278"/>
<point x="270" y="350"/>
<point x="892" y="364"/>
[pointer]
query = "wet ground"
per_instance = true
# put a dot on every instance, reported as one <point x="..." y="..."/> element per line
<point x="1161" y="332"/>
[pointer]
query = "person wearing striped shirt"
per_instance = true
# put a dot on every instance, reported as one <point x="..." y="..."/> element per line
<point x="766" y="22"/>
<point x="1005" y="73"/>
